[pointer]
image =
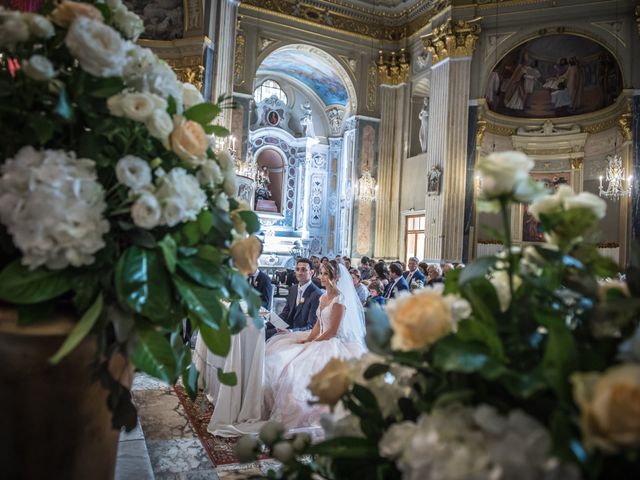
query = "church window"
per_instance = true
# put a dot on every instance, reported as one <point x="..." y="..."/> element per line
<point x="267" y="89"/>
<point x="414" y="236"/>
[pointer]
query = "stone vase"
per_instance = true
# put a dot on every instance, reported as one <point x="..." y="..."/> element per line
<point x="55" y="420"/>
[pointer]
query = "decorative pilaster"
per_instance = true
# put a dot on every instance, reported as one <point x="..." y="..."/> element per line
<point x="626" y="124"/>
<point x="392" y="118"/>
<point x="225" y="52"/>
<point x="454" y="38"/>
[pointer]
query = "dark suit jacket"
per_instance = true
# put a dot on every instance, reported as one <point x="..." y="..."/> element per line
<point x="417" y="275"/>
<point x="263" y="285"/>
<point x="299" y="317"/>
<point x="390" y="291"/>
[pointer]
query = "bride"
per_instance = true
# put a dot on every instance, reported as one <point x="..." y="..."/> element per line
<point x="292" y="359"/>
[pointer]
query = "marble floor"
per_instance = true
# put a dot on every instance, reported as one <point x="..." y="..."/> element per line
<point x="164" y="445"/>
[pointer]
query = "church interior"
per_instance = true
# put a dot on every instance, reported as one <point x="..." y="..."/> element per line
<point x="356" y="132"/>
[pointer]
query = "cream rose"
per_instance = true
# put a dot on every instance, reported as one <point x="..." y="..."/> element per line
<point x="66" y="12"/>
<point x="610" y="407"/>
<point x="188" y="141"/>
<point x="419" y="320"/>
<point x="332" y="382"/>
<point x="100" y="50"/>
<point x="38" y="68"/>
<point x="238" y="223"/>
<point x="501" y="172"/>
<point x="245" y="254"/>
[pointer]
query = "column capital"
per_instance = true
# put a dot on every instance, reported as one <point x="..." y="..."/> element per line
<point x="453" y="38"/>
<point x="395" y="70"/>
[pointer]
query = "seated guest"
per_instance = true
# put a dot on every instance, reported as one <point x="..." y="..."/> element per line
<point x="361" y="290"/>
<point x="397" y="283"/>
<point x="460" y="266"/>
<point x="414" y="275"/>
<point x="446" y="267"/>
<point x="324" y="260"/>
<point x="434" y="274"/>
<point x="423" y="267"/>
<point x="315" y="261"/>
<point x="262" y="283"/>
<point x="381" y="273"/>
<point x="375" y="291"/>
<point x="365" y="268"/>
<point x="302" y="302"/>
<point x="347" y="262"/>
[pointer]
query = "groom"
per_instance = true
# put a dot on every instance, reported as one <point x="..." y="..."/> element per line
<point x="302" y="301"/>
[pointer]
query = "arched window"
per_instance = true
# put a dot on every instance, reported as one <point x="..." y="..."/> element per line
<point x="267" y="89"/>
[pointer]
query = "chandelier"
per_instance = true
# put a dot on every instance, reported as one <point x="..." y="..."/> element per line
<point x="367" y="186"/>
<point x="615" y="180"/>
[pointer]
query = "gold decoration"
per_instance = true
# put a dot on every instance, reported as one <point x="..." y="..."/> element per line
<point x="500" y="130"/>
<point x="395" y="71"/>
<point x="192" y="15"/>
<point x="600" y="126"/>
<point x="372" y="88"/>
<point x="577" y="163"/>
<point x="454" y="38"/>
<point x="188" y="69"/>
<point x="482" y="128"/>
<point x="238" y="72"/>
<point x="624" y="124"/>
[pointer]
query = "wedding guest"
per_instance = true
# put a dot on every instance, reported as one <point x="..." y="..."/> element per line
<point x="446" y="268"/>
<point x="347" y="262"/>
<point x="460" y="266"/>
<point x="262" y="283"/>
<point x="315" y="261"/>
<point x="381" y="273"/>
<point x="365" y="268"/>
<point x="434" y="274"/>
<point x="324" y="260"/>
<point x="397" y="283"/>
<point x="300" y="312"/>
<point x="414" y="275"/>
<point x="423" y="267"/>
<point x="375" y="291"/>
<point x="361" y="290"/>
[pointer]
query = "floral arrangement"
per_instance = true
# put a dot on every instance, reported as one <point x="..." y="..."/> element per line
<point x="523" y="365"/>
<point x="113" y="204"/>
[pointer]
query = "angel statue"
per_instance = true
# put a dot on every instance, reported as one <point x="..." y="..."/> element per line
<point x="307" y="120"/>
<point x="423" y="136"/>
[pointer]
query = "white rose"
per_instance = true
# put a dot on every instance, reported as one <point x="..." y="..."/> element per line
<point x="282" y="451"/>
<point x="140" y="106"/>
<point x="394" y="441"/>
<point x="133" y="172"/>
<point x="13" y="29"/>
<point x="191" y="95"/>
<point x="180" y="196"/>
<point x="550" y="203"/>
<point x="500" y="281"/>
<point x="38" y="68"/>
<point x="271" y="432"/>
<point x="210" y="174"/>
<point x="99" y="49"/>
<point x="128" y="23"/>
<point x="146" y="211"/>
<point x="229" y="172"/>
<point x="160" y="126"/>
<point x="40" y="27"/>
<point x="501" y="172"/>
<point x="173" y="211"/>
<point x="588" y="201"/>
<point x="222" y="202"/>
<point x="460" y="308"/>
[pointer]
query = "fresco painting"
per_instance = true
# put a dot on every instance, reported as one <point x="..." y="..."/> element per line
<point x="554" y="76"/>
<point x="309" y="69"/>
<point x="531" y="231"/>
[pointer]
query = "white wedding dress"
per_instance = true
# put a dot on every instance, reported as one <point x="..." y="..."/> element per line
<point x="289" y="364"/>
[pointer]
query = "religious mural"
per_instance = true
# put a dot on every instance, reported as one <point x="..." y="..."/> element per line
<point x="163" y="19"/>
<point x="554" y="76"/>
<point x="308" y="69"/>
<point x="531" y="231"/>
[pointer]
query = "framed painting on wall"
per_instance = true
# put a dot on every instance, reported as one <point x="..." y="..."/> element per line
<point x="531" y="231"/>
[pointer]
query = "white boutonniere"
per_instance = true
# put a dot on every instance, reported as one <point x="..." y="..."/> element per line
<point x="301" y="300"/>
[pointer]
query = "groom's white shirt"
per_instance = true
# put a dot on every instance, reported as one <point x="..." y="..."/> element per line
<point x="301" y="289"/>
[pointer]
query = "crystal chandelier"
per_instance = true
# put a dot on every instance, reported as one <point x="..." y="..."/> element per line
<point x="366" y="186"/>
<point x="615" y="180"/>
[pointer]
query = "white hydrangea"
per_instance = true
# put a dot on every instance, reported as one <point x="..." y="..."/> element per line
<point x="100" y="50"/>
<point x="222" y="201"/>
<point x="180" y="197"/>
<point x="460" y="443"/>
<point x="145" y="72"/>
<point x="52" y="205"/>
<point x="209" y="174"/>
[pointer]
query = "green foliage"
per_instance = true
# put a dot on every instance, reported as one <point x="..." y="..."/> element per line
<point x="20" y="285"/>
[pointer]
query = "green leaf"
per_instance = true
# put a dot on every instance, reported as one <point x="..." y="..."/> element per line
<point x="478" y="269"/>
<point x="217" y="130"/>
<point x="190" y="381"/>
<point x="169" y="248"/>
<point x="237" y="319"/>
<point x="455" y="396"/>
<point x="142" y="283"/>
<point x="375" y="370"/>
<point x="251" y="220"/>
<point x="473" y="330"/>
<point x="43" y="128"/>
<point x="454" y="355"/>
<point x="20" y="285"/>
<point x="228" y="378"/>
<point x="63" y="108"/>
<point x="560" y="356"/>
<point x="202" y="271"/>
<point x="86" y="287"/>
<point x="218" y="341"/>
<point x="345" y="447"/>
<point x="153" y="355"/>
<point x="205" y="221"/>
<point x="201" y="302"/>
<point x="172" y="107"/>
<point x="81" y="330"/>
<point x="107" y="87"/>
<point x="365" y="397"/>
<point x="203" y="113"/>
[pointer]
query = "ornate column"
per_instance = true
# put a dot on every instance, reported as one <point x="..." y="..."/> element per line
<point x="451" y="47"/>
<point x="393" y="76"/>
<point x="628" y="205"/>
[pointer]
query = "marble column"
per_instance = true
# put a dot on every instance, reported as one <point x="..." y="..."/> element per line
<point x="451" y="47"/>
<point x="391" y="151"/>
<point x="224" y="32"/>
<point x="635" y="165"/>
<point x="469" y="200"/>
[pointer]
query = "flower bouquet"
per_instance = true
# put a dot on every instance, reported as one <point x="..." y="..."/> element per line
<point x="113" y="205"/>
<point x="524" y="365"/>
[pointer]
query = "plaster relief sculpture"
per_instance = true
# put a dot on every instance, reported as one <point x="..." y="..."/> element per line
<point x="423" y="136"/>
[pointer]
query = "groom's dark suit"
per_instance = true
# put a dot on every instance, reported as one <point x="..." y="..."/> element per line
<point x="303" y="315"/>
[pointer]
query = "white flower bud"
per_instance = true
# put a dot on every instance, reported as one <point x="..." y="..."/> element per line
<point x="271" y="432"/>
<point x="38" y="68"/>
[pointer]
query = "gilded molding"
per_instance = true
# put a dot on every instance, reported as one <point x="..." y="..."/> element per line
<point x="238" y="71"/>
<point x="481" y="129"/>
<point x="624" y="124"/>
<point x="577" y="163"/>
<point x="372" y="88"/>
<point x="500" y="130"/>
<point x="454" y="38"/>
<point x="394" y="71"/>
<point x="188" y="69"/>
<point x="601" y="126"/>
<point x="192" y="15"/>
